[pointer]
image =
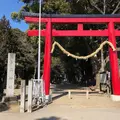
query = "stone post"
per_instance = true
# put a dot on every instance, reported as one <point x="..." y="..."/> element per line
<point x="23" y="93"/>
<point x="30" y="91"/>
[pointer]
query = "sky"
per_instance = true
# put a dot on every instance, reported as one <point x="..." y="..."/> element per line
<point x="9" y="6"/>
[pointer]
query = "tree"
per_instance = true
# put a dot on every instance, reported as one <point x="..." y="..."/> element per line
<point x="25" y="58"/>
<point x="5" y="35"/>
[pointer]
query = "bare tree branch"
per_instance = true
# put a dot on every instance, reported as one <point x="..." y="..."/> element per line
<point x="117" y="8"/>
<point x="106" y="60"/>
<point x="95" y="6"/>
<point x="104" y="6"/>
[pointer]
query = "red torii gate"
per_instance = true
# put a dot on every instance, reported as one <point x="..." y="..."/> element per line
<point x="80" y="20"/>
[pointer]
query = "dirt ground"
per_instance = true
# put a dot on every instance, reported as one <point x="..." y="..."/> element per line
<point x="78" y="98"/>
<point x="97" y="107"/>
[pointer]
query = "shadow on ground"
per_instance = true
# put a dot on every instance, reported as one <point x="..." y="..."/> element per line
<point x="59" y="96"/>
<point x="3" y="107"/>
<point x="51" y="118"/>
<point x="62" y="87"/>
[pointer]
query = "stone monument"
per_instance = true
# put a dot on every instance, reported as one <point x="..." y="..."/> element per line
<point x="10" y="74"/>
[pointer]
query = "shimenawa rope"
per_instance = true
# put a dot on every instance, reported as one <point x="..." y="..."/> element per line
<point x="82" y="57"/>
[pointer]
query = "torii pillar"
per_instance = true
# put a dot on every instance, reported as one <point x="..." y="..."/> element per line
<point x="114" y="64"/>
<point x="47" y="59"/>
